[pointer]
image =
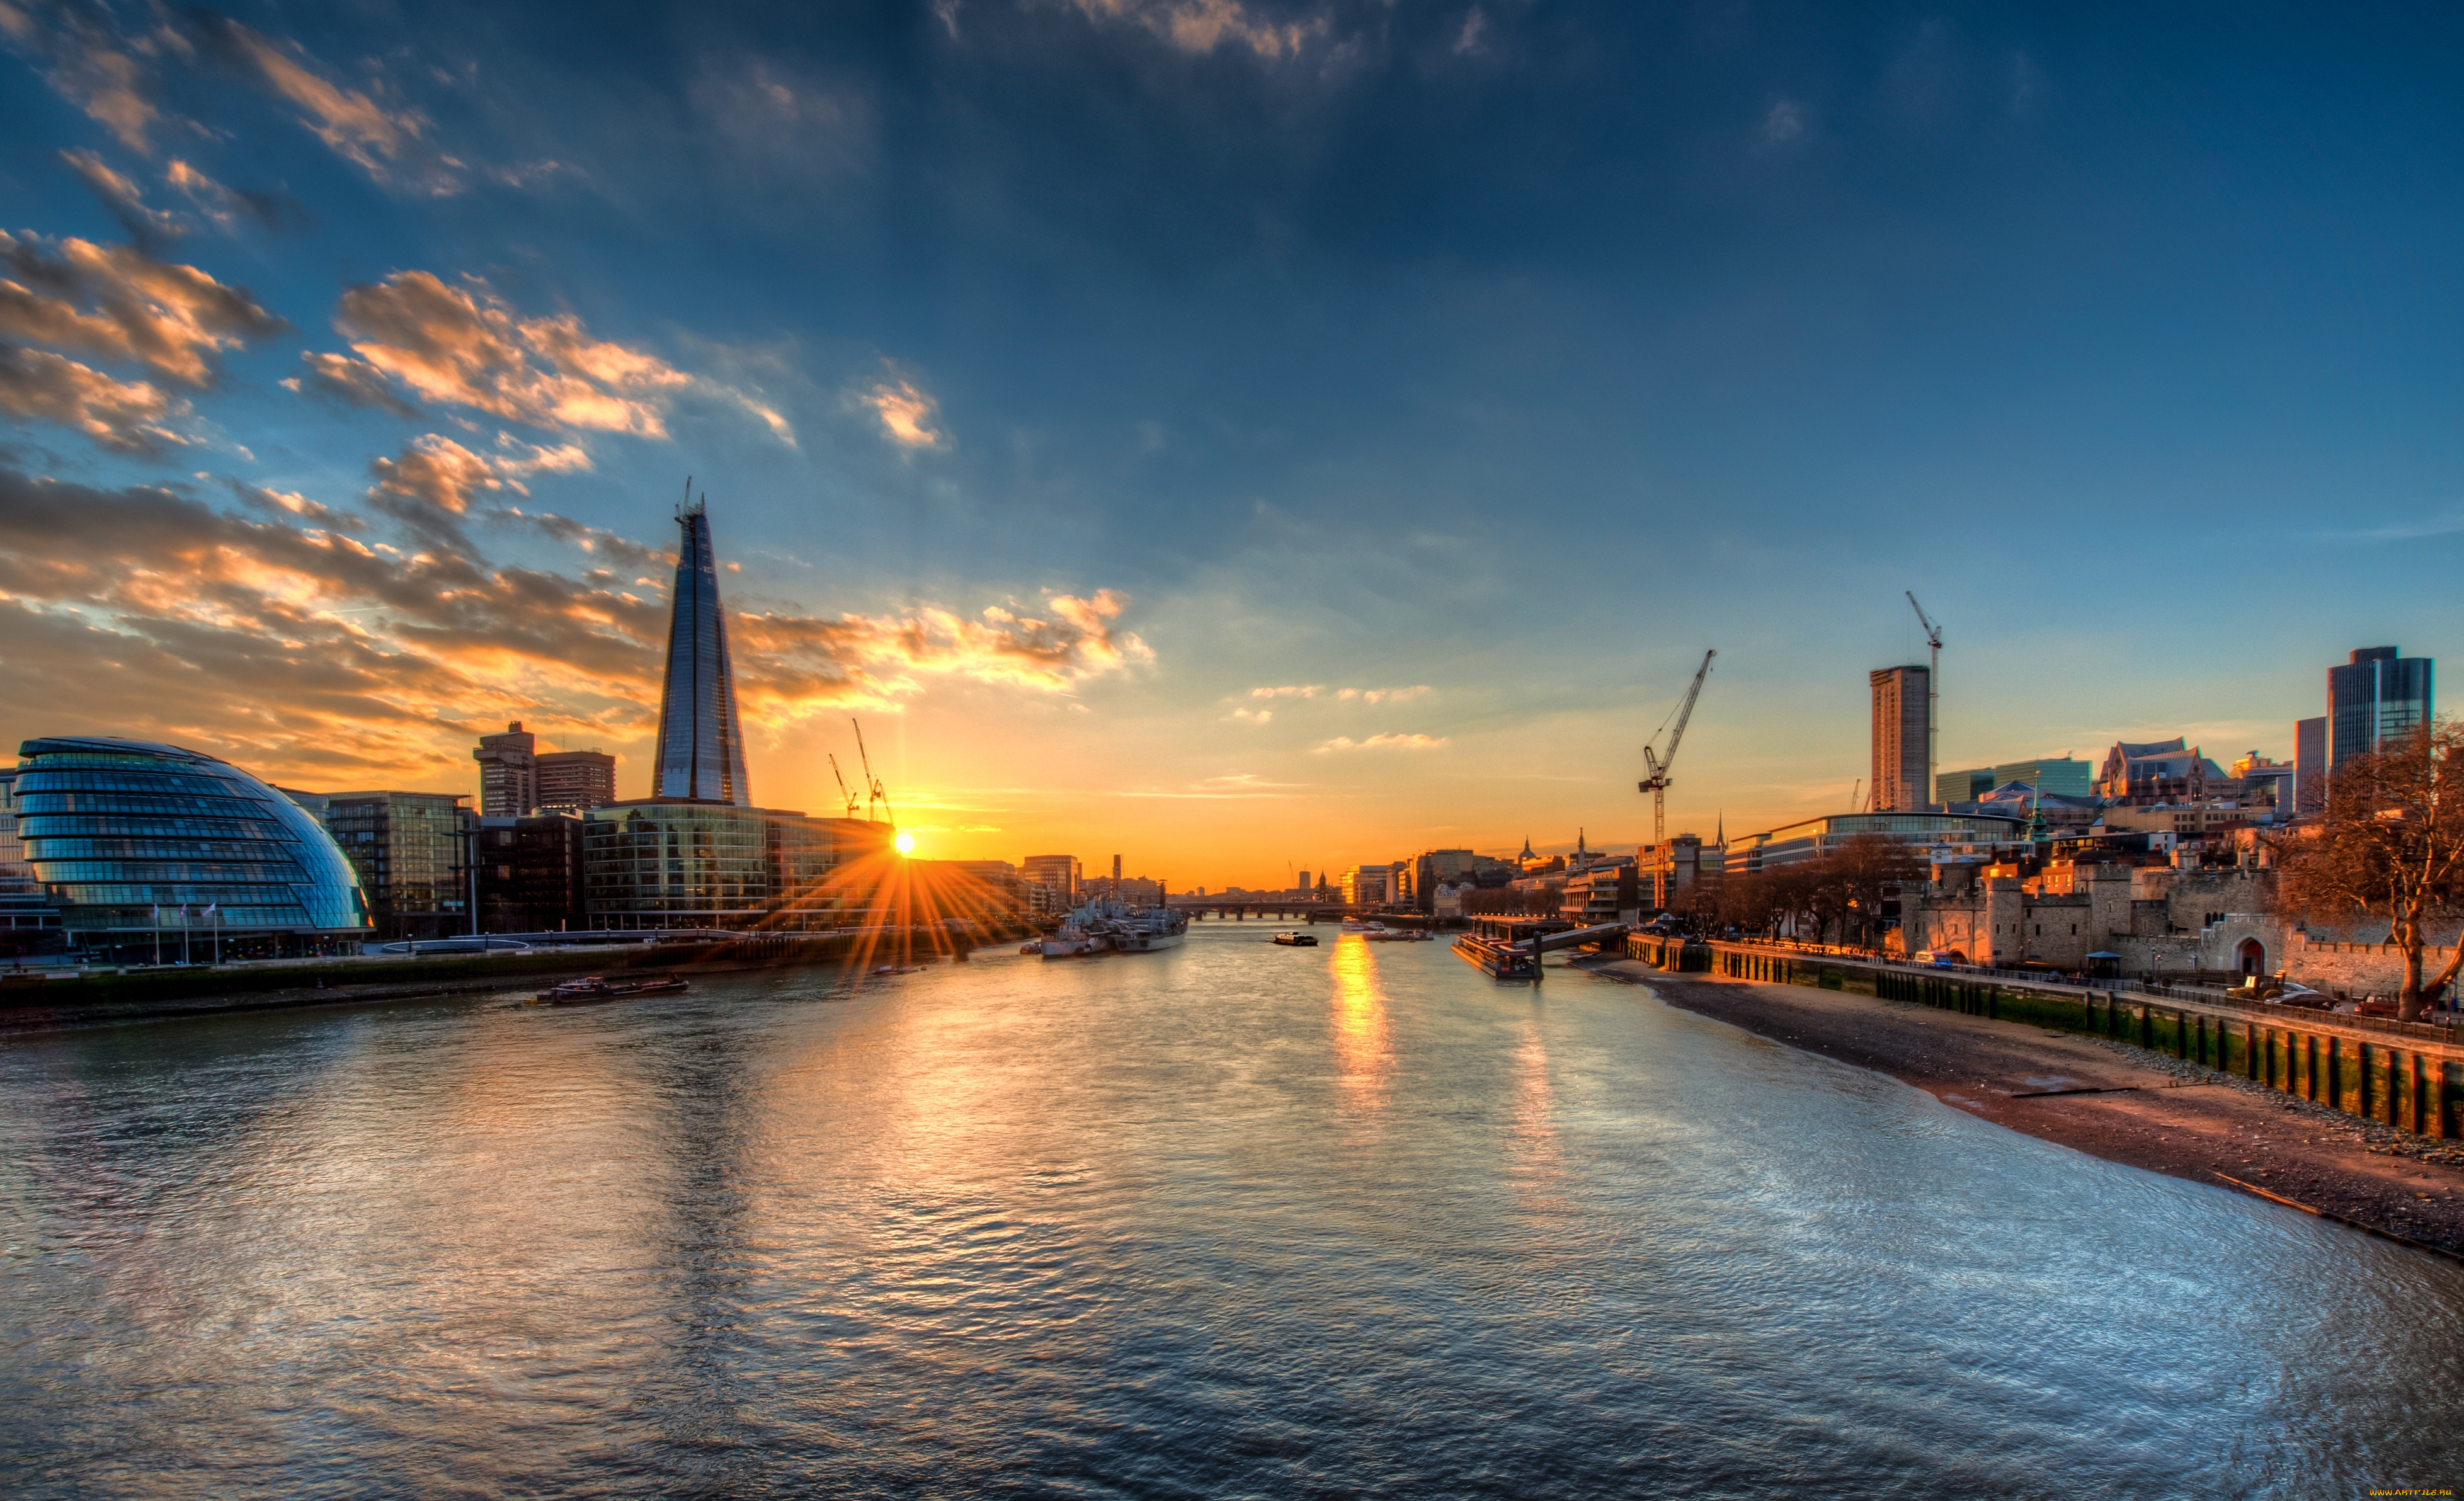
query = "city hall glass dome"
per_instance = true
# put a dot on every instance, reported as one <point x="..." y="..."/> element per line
<point x="117" y="829"/>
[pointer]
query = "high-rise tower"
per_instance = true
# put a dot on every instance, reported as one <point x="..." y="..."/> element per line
<point x="701" y="744"/>
<point x="1902" y="726"/>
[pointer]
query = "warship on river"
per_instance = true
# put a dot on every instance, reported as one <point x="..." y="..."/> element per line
<point x="1104" y="925"/>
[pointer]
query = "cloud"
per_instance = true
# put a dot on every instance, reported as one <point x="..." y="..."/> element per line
<point x="1469" y="42"/>
<point x="146" y="226"/>
<point x="48" y="387"/>
<point x="1345" y="742"/>
<point x="385" y="142"/>
<point x="1202" y="26"/>
<point x="464" y="346"/>
<point x="1784" y="123"/>
<point x="327" y="659"/>
<point x="91" y="63"/>
<point x="1253" y="716"/>
<point x="802" y="663"/>
<point x="352" y="383"/>
<point x="906" y="414"/>
<point x="272" y="211"/>
<point x="171" y="319"/>
<point x="430" y="485"/>
<point x="1343" y="695"/>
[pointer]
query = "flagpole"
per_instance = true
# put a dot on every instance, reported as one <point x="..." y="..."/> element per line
<point x="184" y="933"/>
<point x="157" y="935"/>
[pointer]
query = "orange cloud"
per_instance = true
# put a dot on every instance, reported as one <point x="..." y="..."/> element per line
<point x="1200" y="25"/>
<point x="1345" y="742"/>
<point x="48" y="387"/>
<point x="317" y="657"/>
<point x="906" y="414"/>
<point x="171" y="319"/>
<point x="464" y="346"/>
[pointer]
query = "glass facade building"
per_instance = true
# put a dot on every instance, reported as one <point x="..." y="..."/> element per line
<point x="408" y="848"/>
<point x="701" y="744"/>
<point x="122" y="834"/>
<point x="2376" y="696"/>
<point x="675" y="863"/>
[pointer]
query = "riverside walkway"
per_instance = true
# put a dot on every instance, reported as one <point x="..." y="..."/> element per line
<point x="2405" y="1075"/>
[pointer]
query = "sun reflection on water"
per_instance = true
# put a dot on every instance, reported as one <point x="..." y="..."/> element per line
<point x="1359" y="1022"/>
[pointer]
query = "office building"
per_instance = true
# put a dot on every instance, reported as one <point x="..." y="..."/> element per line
<point x="2065" y="776"/>
<point x="1962" y="786"/>
<point x="2375" y="697"/>
<point x="2309" y="766"/>
<point x="1903" y="720"/>
<point x="1682" y="875"/>
<point x="1377" y="884"/>
<point x="574" y="781"/>
<point x="1057" y="873"/>
<point x="408" y="850"/>
<point x="1815" y="837"/>
<point x="28" y="922"/>
<point x="508" y="772"/>
<point x="528" y="873"/>
<point x="702" y="743"/>
<point x="126" y="837"/>
<point x="688" y="863"/>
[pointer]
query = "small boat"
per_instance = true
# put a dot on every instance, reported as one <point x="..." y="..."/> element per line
<point x="1033" y="946"/>
<point x="896" y="969"/>
<point x="1296" y="940"/>
<point x="1362" y="925"/>
<point x="597" y="991"/>
<point x="1385" y="934"/>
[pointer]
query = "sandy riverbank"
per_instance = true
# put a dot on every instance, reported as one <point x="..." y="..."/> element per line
<point x="2145" y="1110"/>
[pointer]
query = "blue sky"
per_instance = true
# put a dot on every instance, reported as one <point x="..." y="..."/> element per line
<point x="1490" y="361"/>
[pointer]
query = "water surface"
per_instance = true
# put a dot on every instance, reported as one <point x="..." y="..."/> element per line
<point x="1230" y="1221"/>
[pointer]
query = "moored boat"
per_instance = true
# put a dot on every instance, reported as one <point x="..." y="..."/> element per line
<point x="1296" y="940"/>
<point x="596" y="991"/>
<point x="1500" y="960"/>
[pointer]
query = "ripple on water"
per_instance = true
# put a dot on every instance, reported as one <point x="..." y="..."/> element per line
<point x="1228" y="1220"/>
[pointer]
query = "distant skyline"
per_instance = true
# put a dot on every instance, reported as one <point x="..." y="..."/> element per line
<point x="1242" y="436"/>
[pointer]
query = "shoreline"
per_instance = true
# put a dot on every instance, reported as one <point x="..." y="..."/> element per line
<point x="2109" y="1099"/>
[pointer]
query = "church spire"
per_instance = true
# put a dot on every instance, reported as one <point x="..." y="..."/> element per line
<point x="702" y="743"/>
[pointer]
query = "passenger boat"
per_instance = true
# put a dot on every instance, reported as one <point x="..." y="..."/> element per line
<point x="1362" y="925"/>
<point x="597" y="991"/>
<point x="1297" y="940"/>
<point x="1500" y="960"/>
<point x="1382" y="934"/>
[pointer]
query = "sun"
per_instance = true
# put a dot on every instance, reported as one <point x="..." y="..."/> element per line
<point x="905" y="842"/>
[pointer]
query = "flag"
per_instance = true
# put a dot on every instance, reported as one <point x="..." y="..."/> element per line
<point x="208" y="911"/>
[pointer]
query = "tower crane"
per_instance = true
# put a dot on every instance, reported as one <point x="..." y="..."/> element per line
<point x="845" y="796"/>
<point x="1658" y="762"/>
<point x="1933" y="695"/>
<point x="873" y="791"/>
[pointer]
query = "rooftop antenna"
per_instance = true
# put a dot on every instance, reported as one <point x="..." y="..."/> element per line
<point x="845" y="796"/>
<point x="1853" y="787"/>
<point x="684" y="507"/>
<point x="1933" y="692"/>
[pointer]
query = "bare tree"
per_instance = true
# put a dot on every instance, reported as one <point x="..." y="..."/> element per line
<point x="2390" y="846"/>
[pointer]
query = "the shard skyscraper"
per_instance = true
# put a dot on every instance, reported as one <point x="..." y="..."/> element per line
<point x="701" y="746"/>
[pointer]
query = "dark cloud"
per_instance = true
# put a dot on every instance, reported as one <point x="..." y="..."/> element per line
<point x="151" y="227"/>
<point x="121" y="304"/>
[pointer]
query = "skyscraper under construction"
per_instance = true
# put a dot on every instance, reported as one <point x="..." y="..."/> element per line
<point x="701" y="744"/>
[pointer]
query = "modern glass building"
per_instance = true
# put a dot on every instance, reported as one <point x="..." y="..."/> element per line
<point x="701" y="744"/>
<point x="1816" y="837"/>
<point x="677" y="863"/>
<point x="2375" y="696"/>
<point x="408" y="851"/>
<point x="124" y="835"/>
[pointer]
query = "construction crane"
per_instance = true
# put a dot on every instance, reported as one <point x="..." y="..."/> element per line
<point x="873" y="791"/>
<point x="1659" y="763"/>
<point x="845" y="796"/>
<point x="1933" y="695"/>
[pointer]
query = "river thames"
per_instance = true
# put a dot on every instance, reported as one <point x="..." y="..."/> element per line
<point x="1228" y="1220"/>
